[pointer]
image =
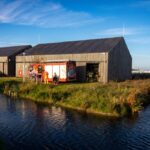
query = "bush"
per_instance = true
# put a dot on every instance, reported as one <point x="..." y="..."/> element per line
<point x="58" y="96"/>
<point x="86" y="104"/>
<point x="44" y="95"/>
<point x="123" y="109"/>
<point x="117" y="98"/>
<point x="6" y="88"/>
<point x="14" y="88"/>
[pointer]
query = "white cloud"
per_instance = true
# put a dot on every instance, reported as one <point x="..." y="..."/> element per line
<point x="119" y="31"/>
<point x="141" y="3"/>
<point x="47" y="14"/>
<point x="141" y="61"/>
<point x="142" y="55"/>
<point x="143" y="40"/>
<point x="6" y="44"/>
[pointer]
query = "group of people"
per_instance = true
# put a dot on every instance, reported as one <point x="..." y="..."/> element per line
<point x="39" y="75"/>
<point x="55" y="78"/>
<point x="42" y="76"/>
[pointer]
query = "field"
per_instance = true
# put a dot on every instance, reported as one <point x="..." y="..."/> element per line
<point x="114" y="99"/>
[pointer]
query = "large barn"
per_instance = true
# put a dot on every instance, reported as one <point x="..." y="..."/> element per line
<point x="108" y="58"/>
<point x="8" y="59"/>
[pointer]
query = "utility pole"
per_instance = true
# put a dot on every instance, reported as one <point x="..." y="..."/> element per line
<point x="105" y="69"/>
<point x="24" y="66"/>
<point x="39" y="38"/>
<point x="123" y="30"/>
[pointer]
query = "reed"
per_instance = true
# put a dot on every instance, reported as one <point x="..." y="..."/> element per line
<point x="118" y="99"/>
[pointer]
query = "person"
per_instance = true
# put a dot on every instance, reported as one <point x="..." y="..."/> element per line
<point x="45" y="77"/>
<point x="33" y="73"/>
<point x="55" y="79"/>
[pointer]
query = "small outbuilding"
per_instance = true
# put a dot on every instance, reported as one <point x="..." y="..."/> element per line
<point x="8" y="59"/>
<point x="103" y="59"/>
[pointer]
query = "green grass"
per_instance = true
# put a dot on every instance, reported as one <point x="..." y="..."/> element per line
<point x="116" y="99"/>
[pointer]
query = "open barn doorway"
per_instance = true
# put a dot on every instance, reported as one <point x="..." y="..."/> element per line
<point x="92" y="72"/>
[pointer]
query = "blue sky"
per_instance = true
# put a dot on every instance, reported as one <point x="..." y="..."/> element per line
<point x="43" y="21"/>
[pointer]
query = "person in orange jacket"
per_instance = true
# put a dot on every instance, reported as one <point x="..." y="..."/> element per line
<point x="45" y="77"/>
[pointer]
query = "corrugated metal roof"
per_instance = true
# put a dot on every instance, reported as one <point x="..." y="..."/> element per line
<point x="75" y="47"/>
<point x="13" y="50"/>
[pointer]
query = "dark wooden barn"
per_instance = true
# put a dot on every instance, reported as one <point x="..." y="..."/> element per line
<point x="8" y="59"/>
<point x="106" y="59"/>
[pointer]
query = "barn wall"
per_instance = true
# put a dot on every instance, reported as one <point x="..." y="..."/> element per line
<point x="81" y="71"/>
<point x="11" y="66"/>
<point x="76" y="57"/>
<point x="81" y="60"/>
<point x="120" y="63"/>
<point x="104" y="69"/>
<point x="7" y="66"/>
<point x="3" y="66"/>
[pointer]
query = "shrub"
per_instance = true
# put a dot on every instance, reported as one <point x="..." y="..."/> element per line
<point x="86" y="104"/>
<point x="44" y="95"/>
<point x="58" y="96"/>
<point x="123" y="109"/>
<point x="6" y="88"/>
<point x="120" y="98"/>
<point x="14" y="88"/>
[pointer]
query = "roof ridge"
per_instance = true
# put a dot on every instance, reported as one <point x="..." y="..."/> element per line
<point x="15" y="46"/>
<point x="119" y="37"/>
<point x="116" y="44"/>
<point x="74" y="47"/>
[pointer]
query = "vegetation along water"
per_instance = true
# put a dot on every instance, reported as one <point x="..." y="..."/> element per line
<point x="113" y="99"/>
<point x="26" y="125"/>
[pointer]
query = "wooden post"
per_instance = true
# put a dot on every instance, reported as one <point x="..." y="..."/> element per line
<point x="23" y="66"/>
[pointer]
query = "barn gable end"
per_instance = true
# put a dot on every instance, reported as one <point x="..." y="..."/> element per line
<point x="8" y="59"/>
<point x="119" y="62"/>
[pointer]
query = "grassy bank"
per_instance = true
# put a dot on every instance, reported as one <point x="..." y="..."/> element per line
<point x="117" y="99"/>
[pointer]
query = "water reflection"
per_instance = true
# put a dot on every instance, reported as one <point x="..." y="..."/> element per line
<point x="26" y="125"/>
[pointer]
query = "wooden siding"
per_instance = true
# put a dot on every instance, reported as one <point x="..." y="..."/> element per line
<point x="81" y="60"/>
<point x="115" y="65"/>
<point x="3" y="59"/>
<point x="120" y="63"/>
<point x="77" y="57"/>
<point x="7" y="66"/>
<point x="3" y="66"/>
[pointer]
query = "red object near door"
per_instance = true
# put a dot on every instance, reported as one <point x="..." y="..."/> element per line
<point x="20" y="73"/>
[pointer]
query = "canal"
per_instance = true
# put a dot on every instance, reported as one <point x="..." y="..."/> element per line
<point x="26" y="125"/>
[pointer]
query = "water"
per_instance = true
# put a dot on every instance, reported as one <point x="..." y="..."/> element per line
<point x="26" y="125"/>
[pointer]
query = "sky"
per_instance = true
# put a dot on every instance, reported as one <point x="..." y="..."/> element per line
<point x="43" y="21"/>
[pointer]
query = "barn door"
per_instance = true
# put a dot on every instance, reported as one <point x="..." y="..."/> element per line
<point x="92" y="72"/>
